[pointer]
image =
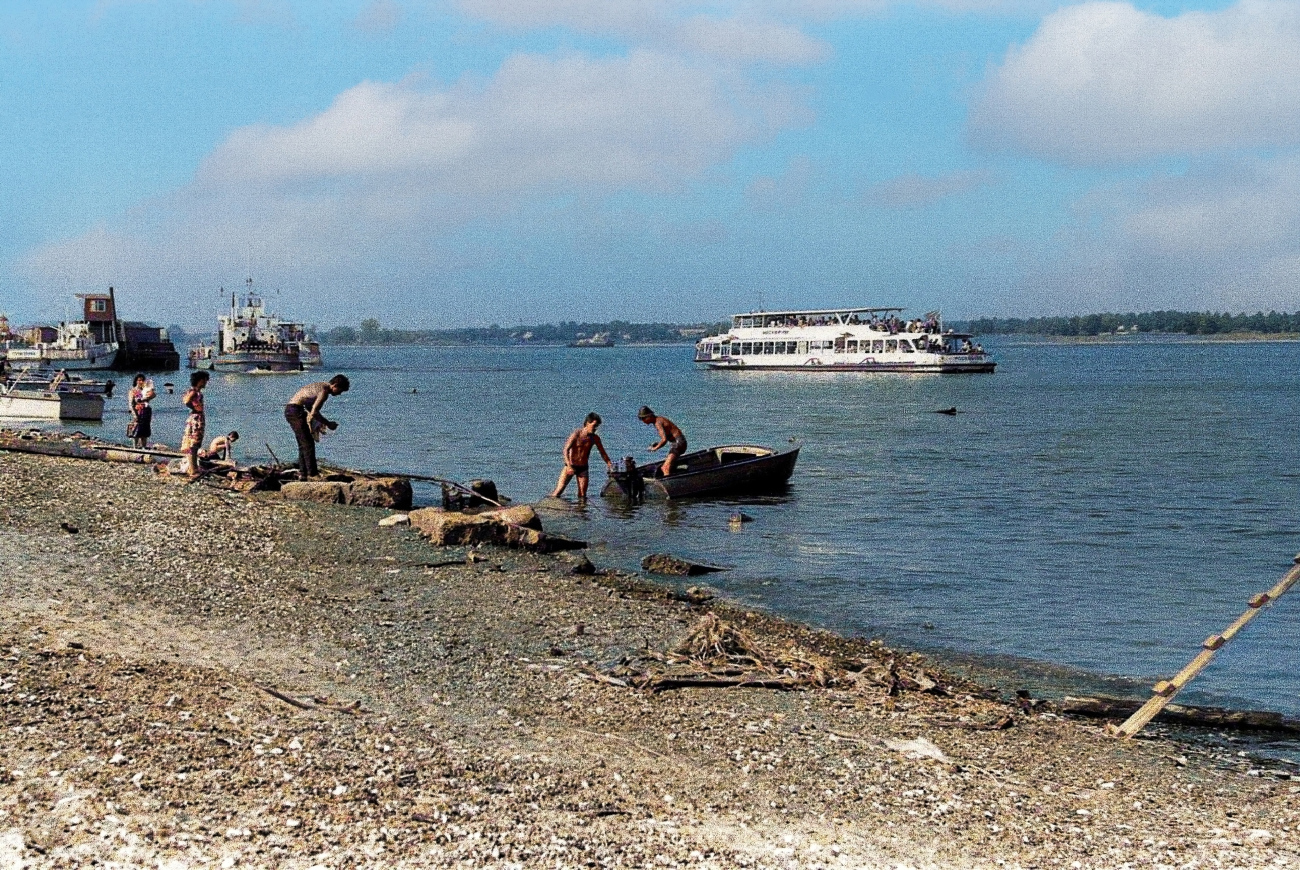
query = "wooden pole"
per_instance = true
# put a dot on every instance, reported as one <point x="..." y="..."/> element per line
<point x="1164" y="691"/>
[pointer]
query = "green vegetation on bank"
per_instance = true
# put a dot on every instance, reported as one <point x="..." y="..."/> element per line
<point x="371" y="332"/>
<point x="1169" y="322"/>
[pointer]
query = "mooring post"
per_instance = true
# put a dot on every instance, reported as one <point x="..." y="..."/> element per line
<point x="1164" y="691"/>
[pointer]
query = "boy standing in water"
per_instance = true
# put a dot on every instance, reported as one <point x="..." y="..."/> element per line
<point x="577" y="451"/>
<point x="669" y="434"/>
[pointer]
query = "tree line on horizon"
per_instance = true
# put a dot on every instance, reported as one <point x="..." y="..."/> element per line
<point x="372" y="332"/>
<point x="1170" y="322"/>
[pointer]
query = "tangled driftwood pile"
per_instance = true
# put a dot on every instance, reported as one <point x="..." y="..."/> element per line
<point x="717" y="654"/>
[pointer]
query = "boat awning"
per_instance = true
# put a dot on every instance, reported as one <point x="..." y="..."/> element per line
<point x="816" y="313"/>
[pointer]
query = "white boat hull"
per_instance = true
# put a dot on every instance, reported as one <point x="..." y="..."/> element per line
<point x="46" y="405"/>
<point x="68" y="360"/>
<point x="916" y="364"/>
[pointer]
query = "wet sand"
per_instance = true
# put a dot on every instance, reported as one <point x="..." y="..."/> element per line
<point x="208" y="679"/>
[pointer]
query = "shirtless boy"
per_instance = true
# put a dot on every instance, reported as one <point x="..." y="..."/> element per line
<point x="577" y="450"/>
<point x="222" y="448"/>
<point x="668" y="434"/>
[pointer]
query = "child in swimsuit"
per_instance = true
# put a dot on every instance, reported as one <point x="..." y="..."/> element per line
<point x="577" y="452"/>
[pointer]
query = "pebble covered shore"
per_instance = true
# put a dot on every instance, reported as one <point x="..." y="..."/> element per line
<point x="192" y="677"/>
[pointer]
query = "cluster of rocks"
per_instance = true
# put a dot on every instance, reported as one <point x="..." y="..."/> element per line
<point x="384" y="492"/>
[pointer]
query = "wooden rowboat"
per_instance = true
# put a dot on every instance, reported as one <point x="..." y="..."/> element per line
<point x="718" y="471"/>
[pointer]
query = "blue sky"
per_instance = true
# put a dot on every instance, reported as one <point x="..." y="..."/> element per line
<point x="476" y="161"/>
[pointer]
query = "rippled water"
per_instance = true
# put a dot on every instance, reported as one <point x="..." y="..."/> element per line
<point x="1102" y="507"/>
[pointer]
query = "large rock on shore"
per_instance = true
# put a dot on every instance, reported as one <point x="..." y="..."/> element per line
<point x="320" y="492"/>
<point x="517" y="526"/>
<point x="385" y="492"/>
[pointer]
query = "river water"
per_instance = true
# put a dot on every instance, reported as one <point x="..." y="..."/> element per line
<point x="1091" y="514"/>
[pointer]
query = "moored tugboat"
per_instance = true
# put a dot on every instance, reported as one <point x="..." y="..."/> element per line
<point x="248" y="341"/>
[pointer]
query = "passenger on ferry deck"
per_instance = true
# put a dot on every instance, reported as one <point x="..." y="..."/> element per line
<point x="669" y="433"/>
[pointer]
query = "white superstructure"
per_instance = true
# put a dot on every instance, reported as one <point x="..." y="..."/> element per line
<point x="76" y="349"/>
<point x="842" y="339"/>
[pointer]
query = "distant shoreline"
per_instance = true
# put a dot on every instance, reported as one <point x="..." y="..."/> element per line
<point x="1185" y="337"/>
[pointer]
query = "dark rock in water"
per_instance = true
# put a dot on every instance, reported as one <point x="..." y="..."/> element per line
<point x="951" y="412"/>
<point x="485" y="489"/>
<point x="579" y="564"/>
<point x="663" y="563"/>
<point x="740" y="517"/>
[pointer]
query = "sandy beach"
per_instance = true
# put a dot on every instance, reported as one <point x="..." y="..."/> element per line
<point x="193" y="677"/>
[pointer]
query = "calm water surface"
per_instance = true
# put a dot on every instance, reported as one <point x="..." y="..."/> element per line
<point x="1100" y="507"/>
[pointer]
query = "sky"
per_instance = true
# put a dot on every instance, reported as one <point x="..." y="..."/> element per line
<point x="438" y="163"/>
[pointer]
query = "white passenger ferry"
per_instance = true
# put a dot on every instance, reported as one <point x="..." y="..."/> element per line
<point x="842" y="339"/>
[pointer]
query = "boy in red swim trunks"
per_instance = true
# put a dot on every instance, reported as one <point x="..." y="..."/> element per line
<point x="577" y="451"/>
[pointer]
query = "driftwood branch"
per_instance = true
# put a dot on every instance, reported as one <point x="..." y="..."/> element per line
<point x="288" y="699"/>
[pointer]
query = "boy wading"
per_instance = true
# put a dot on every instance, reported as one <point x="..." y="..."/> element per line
<point x="304" y="416"/>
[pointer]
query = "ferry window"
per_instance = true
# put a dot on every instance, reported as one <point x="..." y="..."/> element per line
<point x="905" y="346"/>
<point x="769" y="347"/>
<point x="790" y="347"/>
<point x="891" y="346"/>
<point x="853" y="347"/>
<point x="726" y="350"/>
<point x="745" y="349"/>
<point x="803" y="347"/>
<point x="878" y="346"/>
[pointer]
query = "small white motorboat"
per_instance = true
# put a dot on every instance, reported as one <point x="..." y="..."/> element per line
<point x="21" y="403"/>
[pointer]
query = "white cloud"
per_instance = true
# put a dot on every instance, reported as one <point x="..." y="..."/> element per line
<point x="1103" y="83"/>
<point x="1223" y="236"/>
<point x="916" y="191"/>
<point x="711" y="30"/>
<point x="647" y="121"/>
<point x="381" y="179"/>
<point x="1239" y="210"/>
<point x="743" y="41"/>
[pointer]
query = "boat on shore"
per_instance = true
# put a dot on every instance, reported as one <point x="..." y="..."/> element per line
<point x="842" y="339"/>
<point x="732" y="469"/>
<point x="22" y="403"/>
<point x="248" y="341"/>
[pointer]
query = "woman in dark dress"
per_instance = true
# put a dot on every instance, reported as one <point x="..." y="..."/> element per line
<point x="138" y="399"/>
